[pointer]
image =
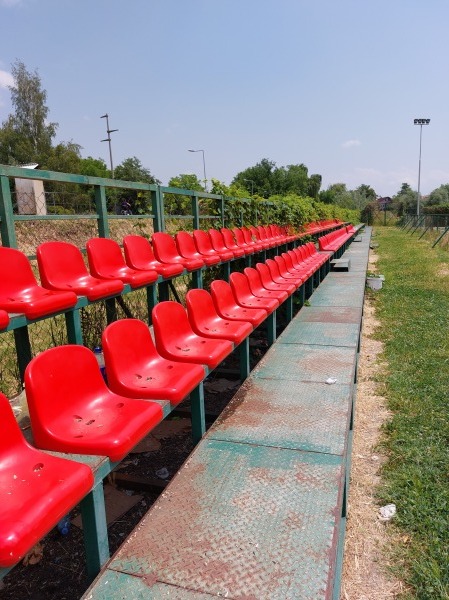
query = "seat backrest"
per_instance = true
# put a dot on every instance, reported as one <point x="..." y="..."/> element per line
<point x="138" y="251"/>
<point x="203" y="241"/>
<point x="239" y="285"/>
<point x="222" y="295"/>
<point x="228" y="237"/>
<point x="217" y="240"/>
<point x="170" y="323"/>
<point x="247" y="235"/>
<point x="253" y="277"/>
<point x="126" y="344"/>
<point x="185" y="244"/>
<point x="164" y="247"/>
<point x="58" y="379"/>
<point x="104" y="253"/>
<point x="59" y="264"/>
<point x="200" y="307"/>
<point x="16" y="273"/>
<point x="12" y="438"/>
<point x="240" y="238"/>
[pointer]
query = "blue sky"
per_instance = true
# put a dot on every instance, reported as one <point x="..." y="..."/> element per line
<point x="333" y="84"/>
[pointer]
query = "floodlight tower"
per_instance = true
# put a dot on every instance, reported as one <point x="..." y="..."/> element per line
<point x="419" y="122"/>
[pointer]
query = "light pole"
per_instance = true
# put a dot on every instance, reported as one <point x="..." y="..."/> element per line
<point x="420" y="122"/>
<point x="108" y="139"/>
<point x="252" y="186"/>
<point x="204" y="167"/>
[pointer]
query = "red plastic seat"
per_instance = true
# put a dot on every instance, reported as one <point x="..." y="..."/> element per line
<point x="20" y="292"/>
<point x="36" y="489"/>
<point x="278" y="277"/>
<point x="165" y="250"/>
<point x="230" y="244"/>
<point x="61" y="267"/>
<point x="205" y="320"/>
<point x="257" y="236"/>
<point x="106" y="262"/>
<point x="269" y="283"/>
<point x="176" y="340"/>
<point x="4" y="319"/>
<point x="240" y="241"/>
<point x="72" y="409"/>
<point x="284" y="272"/>
<point x="218" y="244"/>
<point x="139" y="255"/>
<point x="187" y="249"/>
<point x="227" y="307"/>
<point x="136" y="369"/>
<point x="204" y="245"/>
<point x="257" y="246"/>
<point x="257" y="288"/>
<point x="244" y="296"/>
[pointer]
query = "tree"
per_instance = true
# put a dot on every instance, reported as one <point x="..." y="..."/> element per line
<point x="439" y="196"/>
<point x="26" y="136"/>
<point x="405" y="200"/>
<point x="186" y="181"/>
<point x="131" y="169"/>
<point x="94" y="167"/>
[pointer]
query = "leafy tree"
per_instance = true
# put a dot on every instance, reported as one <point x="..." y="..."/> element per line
<point x="258" y="179"/>
<point x="187" y="181"/>
<point x="26" y="136"/>
<point x="405" y="200"/>
<point x="131" y="169"/>
<point x="314" y="185"/>
<point x="94" y="167"/>
<point x="439" y="196"/>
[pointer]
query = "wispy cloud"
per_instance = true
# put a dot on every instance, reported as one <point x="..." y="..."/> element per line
<point x="351" y="144"/>
<point x="10" y="3"/>
<point x="6" y="79"/>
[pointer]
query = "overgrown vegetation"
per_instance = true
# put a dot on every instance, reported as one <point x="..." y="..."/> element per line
<point x="413" y="308"/>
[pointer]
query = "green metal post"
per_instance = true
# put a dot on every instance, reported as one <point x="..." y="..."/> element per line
<point x="73" y="325"/>
<point x="7" y="228"/>
<point x="151" y="300"/>
<point x="198" y="413"/>
<point x="158" y="211"/>
<point x="95" y="529"/>
<point x="289" y="308"/>
<point x="23" y="349"/>
<point x="271" y="328"/>
<point x="102" y="211"/>
<point x="197" y="279"/>
<point x="245" y="367"/>
<point x="164" y="291"/>
<point x="195" y="211"/>
<point x="226" y="270"/>
<point x="111" y="310"/>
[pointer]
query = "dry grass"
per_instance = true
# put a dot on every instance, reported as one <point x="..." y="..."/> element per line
<point x="365" y="576"/>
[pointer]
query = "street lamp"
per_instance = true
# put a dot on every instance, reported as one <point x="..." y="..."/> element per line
<point x="108" y="139"/>
<point x="204" y="168"/>
<point x="420" y="122"/>
<point x="252" y="185"/>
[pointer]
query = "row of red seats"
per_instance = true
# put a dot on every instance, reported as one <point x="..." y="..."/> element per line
<point x="333" y="241"/>
<point x="96" y="419"/>
<point x="63" y="271"/>
<point x="319" y="226"/>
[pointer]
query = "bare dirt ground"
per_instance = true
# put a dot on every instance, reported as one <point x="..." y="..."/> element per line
<point x="365" y="575"/>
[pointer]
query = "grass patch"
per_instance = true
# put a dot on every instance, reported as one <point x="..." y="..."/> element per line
<point x="414" y="308"/>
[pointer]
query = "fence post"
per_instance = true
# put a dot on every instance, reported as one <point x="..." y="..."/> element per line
<point x="8" y="231"/>
<point x="157" y="200"/>
<point x="195" y="211"/>
<point x="102" y="211"/>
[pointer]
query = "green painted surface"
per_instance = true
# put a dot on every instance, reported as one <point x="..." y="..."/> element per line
<point x="308" y="363"/>
<point x="321" y="334"/>
<point x="285" y="415"/>
<point x="236" y="521"/>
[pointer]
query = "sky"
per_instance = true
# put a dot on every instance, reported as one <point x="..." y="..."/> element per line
<point x="333" y="84"/>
